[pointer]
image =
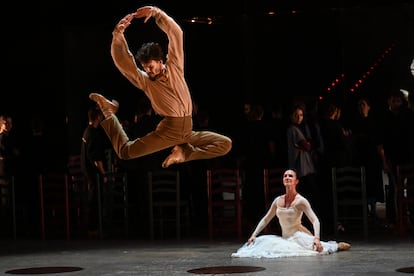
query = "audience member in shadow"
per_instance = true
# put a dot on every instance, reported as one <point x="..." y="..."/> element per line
<point x="10" y="154"/>
<point x="300" y="156"/>
<point x="337" y="153"/>
<point x="257" y="151"/>
<point x="94" y="167"/>
<point x="394" y="145"/>
<point x="365" y="130"/>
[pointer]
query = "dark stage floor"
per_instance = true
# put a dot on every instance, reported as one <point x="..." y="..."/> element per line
<point x="379" y="254"/>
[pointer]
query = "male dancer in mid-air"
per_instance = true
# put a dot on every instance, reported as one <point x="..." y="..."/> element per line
<point x="165" y="86"/>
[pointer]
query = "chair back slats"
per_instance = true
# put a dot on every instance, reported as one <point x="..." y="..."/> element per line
<point x="166" y="205"/>
<point x="224" y="201"/>
<point x="273" y="184"/>
<point x="54" y="205"/>
<point x="8" y="203"/>
<point x="114" y="205"/>
<point x="405" y="197"/>
<point x="273" y="187"/>
<point x="349" y="198"/>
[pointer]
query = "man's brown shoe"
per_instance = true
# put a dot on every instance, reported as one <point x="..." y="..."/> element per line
<point x="176" y="156"/>
<point x="107" y="107"/>
<point x="343" y="246"/>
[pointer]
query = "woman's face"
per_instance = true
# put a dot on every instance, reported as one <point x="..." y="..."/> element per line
<point x="290" y="178"/>
<point x="363" y="107"/>
<point x="297" y="116"/>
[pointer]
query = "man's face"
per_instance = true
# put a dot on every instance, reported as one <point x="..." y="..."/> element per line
<point x="154" y="68"/>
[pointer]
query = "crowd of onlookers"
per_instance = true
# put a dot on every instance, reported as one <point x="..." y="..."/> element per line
<point x="315" y="135"/>
<point x="309" y="134"/>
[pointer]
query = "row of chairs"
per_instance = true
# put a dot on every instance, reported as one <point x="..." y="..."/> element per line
<point x="60" y="200"/>
<point x="61" y="205"/>
<point x="225" y="198"/>
<point x="59" y="195"/>
<point x="224" y="194"/>
<point x="165" y="205"/>
<point x="350" y="205"/>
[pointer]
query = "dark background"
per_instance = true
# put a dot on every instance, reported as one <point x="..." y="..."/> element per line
<point x="246" y="54"/>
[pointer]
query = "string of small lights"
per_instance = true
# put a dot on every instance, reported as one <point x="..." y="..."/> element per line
<point x="360" y="81"/>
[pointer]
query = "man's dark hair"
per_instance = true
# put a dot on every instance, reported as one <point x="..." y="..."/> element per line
<point x="149" y="51"/>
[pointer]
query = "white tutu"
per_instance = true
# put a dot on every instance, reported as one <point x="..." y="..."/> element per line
<point x="272" y="246"/>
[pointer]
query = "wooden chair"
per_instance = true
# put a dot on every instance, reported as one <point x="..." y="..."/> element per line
<point x="8" y="205"/>
<point x="166" y="204"/>
<point x="74" y="166"/>
<point x="405" y="197"/>
<point x="77" y="191"/>
<point x="113" y="205"/>
<point x="350" y="204"/>
<point x="273" y="187"/>
<point x="224" y="201"/>
<point x="54" y="205"/>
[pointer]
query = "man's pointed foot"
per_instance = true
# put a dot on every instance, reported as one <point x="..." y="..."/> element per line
<point x="107" y="107"/>
<point x="176" y="156"/>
